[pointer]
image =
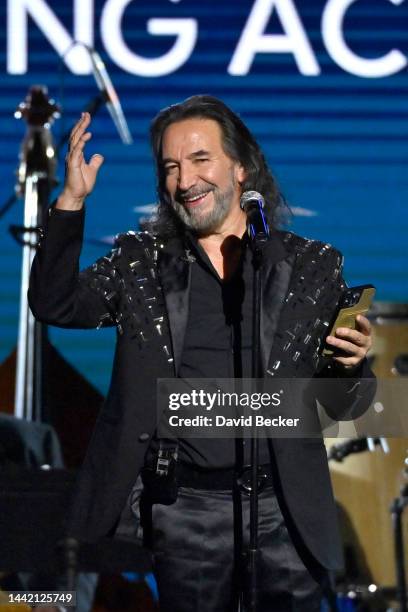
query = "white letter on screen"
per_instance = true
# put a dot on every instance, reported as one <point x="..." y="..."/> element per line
<point x="185" y="31"/>
<point x="332" y="32"/>
<point x="253" y="40"/>
<point x="18" y="11"/>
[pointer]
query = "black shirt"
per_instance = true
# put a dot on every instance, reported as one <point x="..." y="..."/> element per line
<point x="217" y="344"/>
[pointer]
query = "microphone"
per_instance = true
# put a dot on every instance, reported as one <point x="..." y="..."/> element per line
<point x="109" y="94"/>
<point x="252" y="203"/>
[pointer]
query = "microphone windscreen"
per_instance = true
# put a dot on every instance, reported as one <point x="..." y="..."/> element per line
<point x="249" y="198"/>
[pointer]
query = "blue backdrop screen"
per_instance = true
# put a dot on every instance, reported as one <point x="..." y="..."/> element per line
<point x="322" y="85"/>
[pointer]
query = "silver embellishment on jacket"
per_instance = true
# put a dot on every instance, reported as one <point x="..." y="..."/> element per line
<point x="188" y="257"/>
<point x="314" y="286"/>
<point x="126" y="279"/>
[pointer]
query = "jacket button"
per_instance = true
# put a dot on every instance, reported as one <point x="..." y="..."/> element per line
<point x="143" y="437"/>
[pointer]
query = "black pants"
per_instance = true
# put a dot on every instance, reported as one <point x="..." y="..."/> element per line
<point x="198" y="568"/>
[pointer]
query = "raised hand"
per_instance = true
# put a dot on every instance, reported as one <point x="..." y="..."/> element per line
<point x="80" y="176"/>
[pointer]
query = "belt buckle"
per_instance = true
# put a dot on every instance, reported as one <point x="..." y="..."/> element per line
<point x="244" y="480"/>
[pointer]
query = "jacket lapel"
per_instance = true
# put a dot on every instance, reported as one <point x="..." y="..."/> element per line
<point x="175" y="273"/>
<point x="276" y="273"/>
<point x="292" y="328"/>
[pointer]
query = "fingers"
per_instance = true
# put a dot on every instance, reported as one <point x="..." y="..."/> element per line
<point x="361" y="336"/>
<point x="79" y="129"/>
<point x="96" y="161"/>
<point x="352" y="336"/>
<point x="79" y="147"/>
<point x="352" y="345"/>
<point x="80" y="176"/>
<point x="350" y="341"/>
<point x="347" y="353"/>
<point x="363" y="325"/>
<point x="348" y="347"/>
<point x="79" y="137"/>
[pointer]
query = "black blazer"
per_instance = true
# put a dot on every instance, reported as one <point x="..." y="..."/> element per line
<point x="142" y="287"/>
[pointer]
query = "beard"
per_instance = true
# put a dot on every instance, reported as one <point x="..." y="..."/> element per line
<point x="206" y="223"/>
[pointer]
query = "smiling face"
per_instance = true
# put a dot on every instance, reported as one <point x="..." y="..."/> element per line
<point x="202" y="182"/>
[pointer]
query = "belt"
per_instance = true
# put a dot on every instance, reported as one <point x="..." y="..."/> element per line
<point x="223" y="479"/>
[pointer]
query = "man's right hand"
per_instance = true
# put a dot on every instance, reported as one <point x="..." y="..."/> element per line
<point x="80" y="176"/>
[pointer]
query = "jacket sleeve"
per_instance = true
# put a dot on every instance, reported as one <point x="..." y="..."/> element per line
<point x="58" y="293"/>
<point x="345" y="396"/>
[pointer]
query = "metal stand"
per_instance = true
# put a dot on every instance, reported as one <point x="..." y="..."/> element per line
<point x="69" y="549"/>
<point x="28" y="393"/>
<point x="253" y="552"/>
<point x="252" y="203"/>
<point x="33" y="531"/>
<point x="397" y="509"/>
<point x="36" y="177"/>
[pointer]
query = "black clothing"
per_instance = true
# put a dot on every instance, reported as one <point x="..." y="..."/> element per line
<point x="144" y="289"/>
<point x="217" y="344"/>
<point x="195" y="543"/>
<point x="219" y="332"/>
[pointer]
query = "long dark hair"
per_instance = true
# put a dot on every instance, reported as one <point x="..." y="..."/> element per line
<point x="238" y="143"/>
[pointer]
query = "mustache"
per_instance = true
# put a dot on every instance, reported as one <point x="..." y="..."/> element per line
<point x="180" y="195"/>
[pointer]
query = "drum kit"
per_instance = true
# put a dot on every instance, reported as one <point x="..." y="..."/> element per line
<point x="371" y="487"/>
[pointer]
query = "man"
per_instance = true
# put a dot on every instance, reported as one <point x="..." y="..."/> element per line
<point x="181" y="298"/>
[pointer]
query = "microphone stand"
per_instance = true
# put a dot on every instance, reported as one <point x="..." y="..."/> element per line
<point x="106" y="96"/>
<point x="256" y="374"/>
<point x="396" y="510"/>
<point x="259" y="234"/>
<point x="92" y="108"/>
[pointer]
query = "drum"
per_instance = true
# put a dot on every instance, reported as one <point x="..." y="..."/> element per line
<point x="389" y="355"/>
<point x="366" y="483"/>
